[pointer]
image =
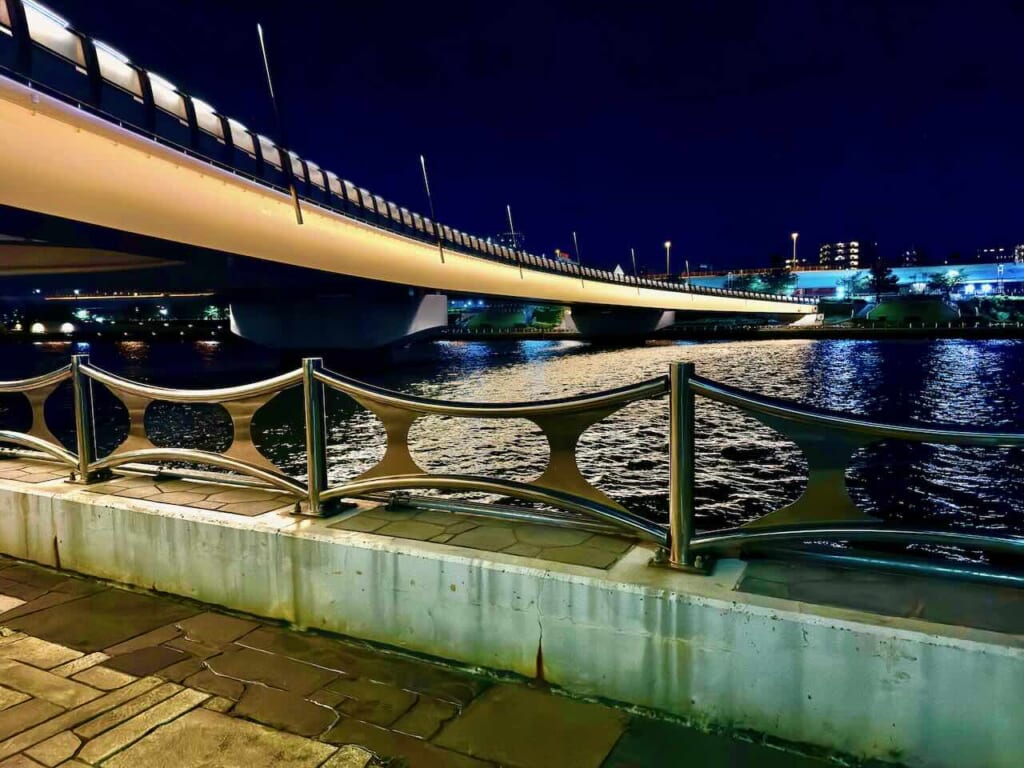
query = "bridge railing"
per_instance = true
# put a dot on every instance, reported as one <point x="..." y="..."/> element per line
<point x="101" y="81"/>
<point x="824" y="512"/>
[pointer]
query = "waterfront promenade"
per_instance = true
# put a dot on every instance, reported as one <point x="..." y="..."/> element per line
<point x="91" y="674"/>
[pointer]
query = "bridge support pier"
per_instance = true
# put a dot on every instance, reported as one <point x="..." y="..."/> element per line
<point x="600" y="322"/>
<point x="339" y="322"/>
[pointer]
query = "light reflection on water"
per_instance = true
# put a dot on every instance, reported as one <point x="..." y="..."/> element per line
<point x="743" y="468"/>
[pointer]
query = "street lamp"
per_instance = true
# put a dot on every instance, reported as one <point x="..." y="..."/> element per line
<point x="795" y="235"/>
<point x="668" y="262"/>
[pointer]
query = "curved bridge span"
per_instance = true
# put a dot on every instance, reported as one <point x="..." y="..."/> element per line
<point x="90" y="137"/>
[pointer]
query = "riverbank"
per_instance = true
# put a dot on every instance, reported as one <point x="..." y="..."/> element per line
<point x="782" y="652"/>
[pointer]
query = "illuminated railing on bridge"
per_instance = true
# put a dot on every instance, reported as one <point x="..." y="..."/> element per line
<point x="40" y="47"/>
<point x="823" y="513"/>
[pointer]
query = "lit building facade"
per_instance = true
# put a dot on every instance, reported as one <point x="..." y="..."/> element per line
<point x="853" y="254"/>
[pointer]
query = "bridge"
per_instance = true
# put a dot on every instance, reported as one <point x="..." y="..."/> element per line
<point x="99" y="149"/>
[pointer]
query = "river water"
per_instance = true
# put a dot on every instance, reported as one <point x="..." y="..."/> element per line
<point x="743" y="469"/>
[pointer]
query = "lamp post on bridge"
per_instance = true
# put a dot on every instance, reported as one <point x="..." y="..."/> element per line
<point x="794" y="263"/>
<point x="668" y="259"/>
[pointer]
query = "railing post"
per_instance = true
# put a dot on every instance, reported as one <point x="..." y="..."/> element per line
<point x="316" y="434"/>
<point x="681" y="466"/>
<point x="85" y="431"/>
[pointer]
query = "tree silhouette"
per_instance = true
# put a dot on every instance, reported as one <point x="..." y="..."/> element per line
<point x="881" y="279"/>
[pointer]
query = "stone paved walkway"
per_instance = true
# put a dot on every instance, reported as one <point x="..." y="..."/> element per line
<point x="95" y="675"/>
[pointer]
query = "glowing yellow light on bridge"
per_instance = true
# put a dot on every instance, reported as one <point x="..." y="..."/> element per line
<point x="37" y="328"/>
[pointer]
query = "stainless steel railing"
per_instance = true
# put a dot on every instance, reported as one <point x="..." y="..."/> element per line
<point x="824" y="512"/>
<point x="560" y="485"/>
<point x="828" y="440"/>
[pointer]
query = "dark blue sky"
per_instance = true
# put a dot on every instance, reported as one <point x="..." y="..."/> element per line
<point x="722" y="126"/>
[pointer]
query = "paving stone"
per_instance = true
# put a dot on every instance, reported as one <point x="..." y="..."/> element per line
<point x="239" y="495"/>
<point x="55" y="749"/>
<point x="180" y="498"/>
<point x="79" y="587"/>
<point x="611" y="543"/>
<point x="253" y="508"/>
<point x="462" y="526"/>
<point x="205" y="680"/>
<point x="23" y="716"/>
<point x="176" y="673"/>
<point x="67" y="720"/>
<point x="145" y="640"/>
<point x="80" y="664"/>
<point x="196" y="650"/>
<point x="349" y="756"/>
<point x="215" y="628"/>
<point x="145" y="661"/>
<point x="20" y="761"/>
<point x="523" y="550"/>
<point x="37" y="605"/>
<point x="372" y="702"/>
<point x="140" y="492"/>
<point x="126" y="711"/>
<point x="491" y="538"/>
<point x="581" y="555"/>
<point x="100" y="620"/>
<point x="44" y="685"/>
<point x="8" y="603"/>
<point x="361" y="523"/>
<point x="514" y="725"/>
<point x="425" y="718"/>
<point x="8" y="635"/>
<point x="74" y="764"/>
<point x="219" y="704"/>
<point x="281" y="673"/>
<point x="103" y="678"/>
<point x="119" y="737"/>
<point x="436" y="517"/>
<point x="648" y="742"/>
<point x="20" y="591"/>
<point x="390" y="745"/>
<point x="9" y="698"/>
<point x="549" y="536"/>
<point x="172" y="486"/>
<point x="411" y="529"/>
<point x="327" y="698"/>
<point x="285" y="711"/>
<point x="201" y="739"/>
<point x="38" y="653"/>
<point x="444" y="538"/>
<point x="354" y="661"/>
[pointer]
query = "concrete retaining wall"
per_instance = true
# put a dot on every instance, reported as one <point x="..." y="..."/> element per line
<point x="901" y="690"/>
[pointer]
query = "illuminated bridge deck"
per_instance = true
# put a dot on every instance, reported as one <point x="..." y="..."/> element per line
<point x="91" y="137"/>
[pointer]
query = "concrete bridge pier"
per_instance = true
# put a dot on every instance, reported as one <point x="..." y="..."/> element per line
<point x="603" y="322"/>
<point x="339" y="322"/>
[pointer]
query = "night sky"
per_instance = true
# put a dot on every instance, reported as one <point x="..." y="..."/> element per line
<point x="721" y="126"/>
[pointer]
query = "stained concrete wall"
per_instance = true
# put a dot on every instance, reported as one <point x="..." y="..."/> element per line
<point x="922" y="694"/>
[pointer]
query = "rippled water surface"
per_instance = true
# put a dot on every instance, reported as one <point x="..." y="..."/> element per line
<point x="743" y="469"/>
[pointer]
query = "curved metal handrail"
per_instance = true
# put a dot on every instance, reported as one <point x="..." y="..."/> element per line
<point x="36" y="382"/>
<point x="36" y="444"/>
<point x="525" y="491"/>
<point x="276" y="479"/>
<point x="788" y="410"/>
<point x="734" y="537"/>
<point x="642" y="390"/>
<point x="221" y="395"/>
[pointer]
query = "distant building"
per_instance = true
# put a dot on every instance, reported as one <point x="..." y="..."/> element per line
<point x="996" y="253"/>
<point x="1018" y="253"/>
<point x="854" y="254"/>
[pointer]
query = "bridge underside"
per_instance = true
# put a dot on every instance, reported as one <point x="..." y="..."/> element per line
<point x="273" y="304"/>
